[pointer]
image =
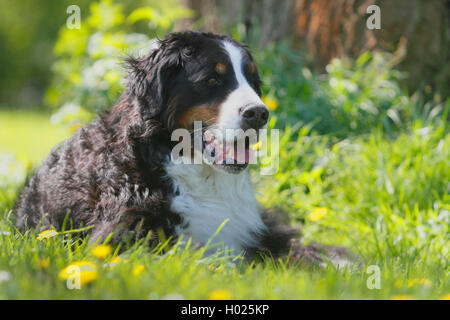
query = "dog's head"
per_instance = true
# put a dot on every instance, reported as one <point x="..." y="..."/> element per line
<point x="208" y="78"/>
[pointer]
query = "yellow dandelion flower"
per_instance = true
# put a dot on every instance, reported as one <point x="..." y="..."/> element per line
<point x="114" y="261"/>
<point x="446" y="297"/>
<point x="270" y="102"/>
<point x="212" y="268"/>
<point x="86" y="270"/>
<point x="138" y="269"/>
<point x="419" y="281"/>
<point x="317" y="214"/>
<point x="44" y="263"/>
<point x="101" y="251"/>
<point x="398" y="283"/>
<point x="46" y="234"/>
<point x="74" y="127"/>
<point x="219" y="295"/>
<point x="256" y="146"/>
<point x="402" y="297"/>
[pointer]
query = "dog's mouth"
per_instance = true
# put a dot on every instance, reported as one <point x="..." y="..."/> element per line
<point x="232" y="157"/>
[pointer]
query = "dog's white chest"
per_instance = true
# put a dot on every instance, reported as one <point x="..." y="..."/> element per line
<point x="205" y="198"/>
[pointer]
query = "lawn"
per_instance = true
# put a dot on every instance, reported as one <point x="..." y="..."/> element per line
<point x="386" y="198"/>
<point x="29" y="136"/>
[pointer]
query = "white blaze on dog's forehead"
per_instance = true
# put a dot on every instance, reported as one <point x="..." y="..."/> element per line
<point x="240" y="97"/>
<point x="235" y="55"/>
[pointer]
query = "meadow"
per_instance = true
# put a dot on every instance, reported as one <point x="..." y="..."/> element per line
<point x="384" y="199"/>
<point x="362" y="164"/>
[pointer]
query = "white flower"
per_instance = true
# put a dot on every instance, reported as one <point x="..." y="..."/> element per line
<point x="5" y="276"/>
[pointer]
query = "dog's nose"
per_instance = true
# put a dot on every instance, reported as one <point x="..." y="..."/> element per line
<point x="254" y="117"/>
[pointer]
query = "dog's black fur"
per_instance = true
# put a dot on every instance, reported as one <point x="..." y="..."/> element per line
<point x="110" y="174"/>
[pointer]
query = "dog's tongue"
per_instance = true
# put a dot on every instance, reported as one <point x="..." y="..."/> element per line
<point x="230" y="151"/>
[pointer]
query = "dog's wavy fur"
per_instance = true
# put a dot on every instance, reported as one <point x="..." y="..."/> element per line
<point x="111" y="173"/>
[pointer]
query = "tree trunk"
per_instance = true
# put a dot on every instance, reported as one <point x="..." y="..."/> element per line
<point x="256" y="21"/>
<point x="417" y="30"/>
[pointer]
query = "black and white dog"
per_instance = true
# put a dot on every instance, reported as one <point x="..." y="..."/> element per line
<point x="116" y="173"/>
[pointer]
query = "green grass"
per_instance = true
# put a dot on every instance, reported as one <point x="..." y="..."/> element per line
<point x="386" y="199"/>
<point x="29" y="136"/>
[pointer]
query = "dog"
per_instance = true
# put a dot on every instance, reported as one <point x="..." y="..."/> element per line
<point x="116" y="174"/>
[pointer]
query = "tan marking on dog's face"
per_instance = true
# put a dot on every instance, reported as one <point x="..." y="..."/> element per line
<point x="220" y="68"/>
<point x="205" y="113"/>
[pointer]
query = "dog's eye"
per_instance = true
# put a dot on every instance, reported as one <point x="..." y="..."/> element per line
<point x="213" y="81"/>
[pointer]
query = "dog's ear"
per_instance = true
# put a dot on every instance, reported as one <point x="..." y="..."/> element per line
<point x="150" y="77"/>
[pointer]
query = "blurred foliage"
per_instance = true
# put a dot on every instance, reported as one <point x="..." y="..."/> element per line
<point x="89" y="75"/>
<point x="28" y="30"/>
<point x="353" y="97"/>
